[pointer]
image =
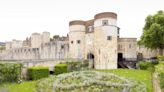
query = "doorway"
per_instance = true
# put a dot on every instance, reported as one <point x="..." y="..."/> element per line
<point x="90" y="57"/>
<point x="120" y="57"/>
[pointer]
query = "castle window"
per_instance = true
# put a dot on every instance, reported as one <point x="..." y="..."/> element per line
<point x="90" y="29"/>
<point x="109" y="37"/>
<point x="62" y="46"/>
<point x="78" y="41"/>
<point x="130" y="46"/>
<point x="104" y="22"/>
<point x="37" y="49"/>
<point x="72" y="42"/>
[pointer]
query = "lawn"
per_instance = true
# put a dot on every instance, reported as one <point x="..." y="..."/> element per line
<point x="27" y="86"/>
<point x="139" y="75"/>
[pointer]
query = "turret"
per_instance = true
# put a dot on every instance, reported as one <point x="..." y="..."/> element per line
<point x="105" y="40"/>
<point x="77" y="39"/>
<point x="36" y="40"/>
<point x="45" y="37"/>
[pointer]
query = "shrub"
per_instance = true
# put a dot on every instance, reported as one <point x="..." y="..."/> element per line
<point x="161" y="78"/>
<point x="10" y="72"/>
<point x="160" y="58"/>
<point x="78" y="65"/>
<point x="85" y="64"/>
<point x="146" y="66"/>
<point x="60" y="68"/>
<point x="38" y="72"/>
<point x="74" y="66"/>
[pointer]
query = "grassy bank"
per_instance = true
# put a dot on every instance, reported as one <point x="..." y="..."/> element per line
<point x="139" y="75"/>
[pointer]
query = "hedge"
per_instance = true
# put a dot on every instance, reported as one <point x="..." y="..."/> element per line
<point x="60" y="68"/>
<point x="38" y="72"/>
<point x="10" y="72"/>
<point x="160" y="58"/>
<point x="144" y="65"/>
<point x="78" y="65"/>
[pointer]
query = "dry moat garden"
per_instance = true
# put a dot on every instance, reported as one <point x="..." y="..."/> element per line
<point x="77" y="77"/>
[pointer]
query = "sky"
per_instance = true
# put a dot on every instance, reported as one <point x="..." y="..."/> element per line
<point x="20" y="18"/>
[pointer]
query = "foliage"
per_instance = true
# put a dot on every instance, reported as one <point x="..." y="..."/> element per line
<point x="145" y="65"/>
<point x="161" y="79"/>
<point x="153" y="34"/>
<point x="60" y="68"/>
<point x="25" y="86"/>
<point x="160" y="58"/>
<point x="45" y="84"/>
<point x="73" y="66"/>
<point x="38" y="72"/>
<point x="2" y="47"/>
<point x="138" y="75"/>
<point x="91" y="81"/>
<point x="77" y="65"/>
<point x="10" y="72"/>
<point x="159" y="69"/>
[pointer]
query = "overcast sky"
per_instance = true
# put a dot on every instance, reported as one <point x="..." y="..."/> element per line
<point x="20" y="18"/>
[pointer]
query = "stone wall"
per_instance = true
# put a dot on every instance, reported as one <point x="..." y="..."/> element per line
<point x="52" y="50"/>
<point x="128" y="47"/>
<point x="147" y="53"/>
<point x="20" y="54"/>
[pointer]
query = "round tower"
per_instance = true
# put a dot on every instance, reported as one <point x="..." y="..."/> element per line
<point x="105" y="40"/>
<point x="77" y="39"/>
<point x="45" y="37"/>
<point x="36" y="40"/>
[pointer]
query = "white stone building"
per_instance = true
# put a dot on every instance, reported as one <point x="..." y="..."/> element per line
<point x="96" y="39"/>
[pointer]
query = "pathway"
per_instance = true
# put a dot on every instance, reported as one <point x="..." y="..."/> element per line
<point x="156" y="85"/>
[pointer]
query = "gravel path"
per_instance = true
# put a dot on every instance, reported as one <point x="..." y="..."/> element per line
<point x="156" y="85"/>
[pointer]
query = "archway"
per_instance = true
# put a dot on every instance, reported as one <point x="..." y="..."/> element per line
<point x="90" y="57"/>
<point x="120" y="57"/>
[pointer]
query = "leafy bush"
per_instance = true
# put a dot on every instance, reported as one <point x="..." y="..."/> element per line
<point x="146" y="66"/>
<point x="160" y="58"/>
<point x="159" y="69"/>
<point x="38" y="72"/>
<point x="60" y="68"/>
<point x="161" y="78"/>
<point x="78" y="65"/>
<point x="10" y="72"/>
<point x="73" y="66"/>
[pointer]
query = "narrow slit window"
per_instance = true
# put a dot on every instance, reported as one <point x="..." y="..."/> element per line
<point x="109" y="37"/>
<point x="78" y="41"/>
<point x="71" y="42"/>
<point x="105" y="22"/>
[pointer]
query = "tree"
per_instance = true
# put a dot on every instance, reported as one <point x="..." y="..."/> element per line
<point x="153" y="32"/>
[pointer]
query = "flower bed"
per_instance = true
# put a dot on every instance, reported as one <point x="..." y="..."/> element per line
<point x="89" y="81"/>
<point x="92" y="81"/>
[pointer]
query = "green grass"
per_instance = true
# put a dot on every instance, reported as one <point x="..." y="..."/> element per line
<point x="27" y="86"/>
<point x="139" y="75"/>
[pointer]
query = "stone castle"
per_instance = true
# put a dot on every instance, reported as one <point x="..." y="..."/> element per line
<point x="96" y="39"/>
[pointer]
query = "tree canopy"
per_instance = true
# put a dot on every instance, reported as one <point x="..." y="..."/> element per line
<point x="153" y="31"/>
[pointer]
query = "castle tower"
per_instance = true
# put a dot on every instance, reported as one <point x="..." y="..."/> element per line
<point x="105" y="40"/>
<point x="77" y="39"/>
<point x="36" y="40"/>
<point x="45" y="37"/>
